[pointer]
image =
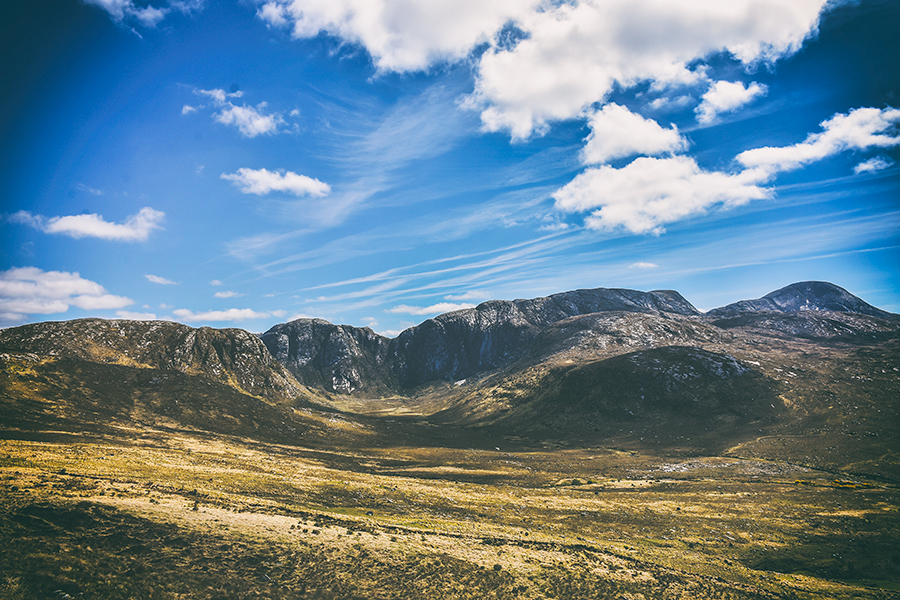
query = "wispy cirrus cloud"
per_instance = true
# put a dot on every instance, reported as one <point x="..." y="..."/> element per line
<point x="263" y="181"/>
<point x="126" y="11"/>
<point x="470" y="295"/>
<point x="160" y="280"/>
<point x="136" y="228"/>
<point x="27" y="291"/>
<point x="434" y="309"/>
<point x="231" y="314"/>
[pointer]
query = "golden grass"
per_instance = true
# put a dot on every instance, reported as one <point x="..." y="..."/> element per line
<point x="711" y="528"/>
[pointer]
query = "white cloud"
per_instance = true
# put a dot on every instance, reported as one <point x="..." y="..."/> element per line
<point x="215" y="282"/>
<point x="860" y="129"/>
<point x="616" y="132"/>
<point x="872" y="165"/>
<point x="232" y="314"/>
<point x="650" y="192"/>
<point x="159" y="280"/>
<point x="250" y="121"/>
<point x="643" y="265"/>
<point x="136" y="228"/>
<point x="434" y="309"/>
<point x="263" y="181"/>
<point x="670" y="103"/>
<point x="559" y="58"/>
<point x="576" y="52"/>
<point x="470" y="295"/>
<point x="29" y="291"/>
<point x="726" y="96"/>
<point x="126" y="11"/>
<point x="188" y="109"/>
<point x="89" y="190"/>
<point x="227" y="295"/>
<point x="404" y="35"/>
<point x="136" y="316"/>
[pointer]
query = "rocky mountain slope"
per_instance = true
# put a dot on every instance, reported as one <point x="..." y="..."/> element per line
<point x="610" y="367"/>
<point x="497" y="334"/>
<point x="449" y="347"/>
<point x="804" y="296"/>
<point x="233" y="357"/>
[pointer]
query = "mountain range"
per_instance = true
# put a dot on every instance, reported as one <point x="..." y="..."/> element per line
<point x="596" y="366"/>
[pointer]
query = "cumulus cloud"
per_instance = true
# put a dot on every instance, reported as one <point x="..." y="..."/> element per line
<point x="547" y="61"/>
<point x="126" y="11"/>
<point x="576" y="52"/>
<point x="643" y="265"/>
<point x="136" y="228"/>
<point x="616" y="132"/>
<point x="250" y="121"/>
<point x="404" y="35"/>
<point x="860" y="129"/>
<point x="159" y="280"/>
<point x="263" y="181"/>
<point x="227" y="295"/>
<point x="872" y="165"/>
<point x="726" y="96"/>
<point x="29" y="291"/>
<point x="434" y="309"/>
<point x="232" y="314"/>
<point x="650" y="192"/>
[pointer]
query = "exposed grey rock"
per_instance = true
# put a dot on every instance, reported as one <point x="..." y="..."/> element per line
<point x="804" y="296"/>
<point x="820" y="325"/>
<point x="449" y="347"/>
<point x="231" y="356"/>
<point x="339" y="358"/>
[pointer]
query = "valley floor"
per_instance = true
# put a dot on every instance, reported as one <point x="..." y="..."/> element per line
<point x="182" y="515"/>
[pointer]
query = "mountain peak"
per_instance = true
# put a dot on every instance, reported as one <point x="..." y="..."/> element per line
<point x="805" y="296"/>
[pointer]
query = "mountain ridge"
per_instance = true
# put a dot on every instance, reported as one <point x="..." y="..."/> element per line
<point x="816" y="296"/>
<point x="464" y="343"/>
<point x="524" y="370"/>
<point x="448" y="347"/>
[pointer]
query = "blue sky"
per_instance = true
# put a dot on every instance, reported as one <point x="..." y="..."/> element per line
<point x="240" y="163"/>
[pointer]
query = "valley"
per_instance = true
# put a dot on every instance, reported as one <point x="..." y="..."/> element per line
<point x="606" y="449"/>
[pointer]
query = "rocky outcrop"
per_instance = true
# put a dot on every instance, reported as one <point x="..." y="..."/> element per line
<point x="449" y="347"/>
<point x="463" y="343"/>
<point x="234" y="357"/>
<point x="338" y="358"/>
